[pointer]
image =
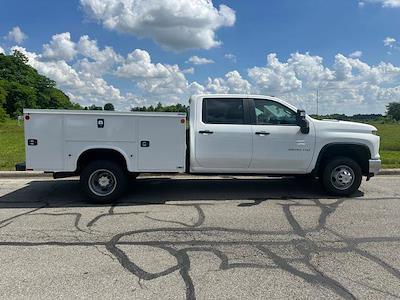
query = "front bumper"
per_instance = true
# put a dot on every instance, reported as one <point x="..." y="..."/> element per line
<point x="374" y="166"/>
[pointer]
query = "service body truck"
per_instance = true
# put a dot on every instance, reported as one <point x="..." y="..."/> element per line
<point x="227" y="134"/>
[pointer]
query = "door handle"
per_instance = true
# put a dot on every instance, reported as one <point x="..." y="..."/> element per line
<point x="262" y="133"/>
<point x="206" y="132"/>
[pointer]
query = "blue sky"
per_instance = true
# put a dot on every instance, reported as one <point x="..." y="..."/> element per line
<point x="335" y="46"/>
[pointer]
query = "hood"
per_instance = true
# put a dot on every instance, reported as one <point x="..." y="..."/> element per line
<point x="344" y="126"/>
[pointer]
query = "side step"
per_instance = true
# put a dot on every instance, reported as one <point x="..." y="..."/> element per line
<point x="20" y="167"/>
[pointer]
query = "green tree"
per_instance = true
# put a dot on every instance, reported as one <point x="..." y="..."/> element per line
<point x="21" y="86"/>
<point x="109" y="106"/>
<point x="94" y="107"/>
<point x="393" y="110"/>
<point x="19" y="97"/>
<point x="3" y="115"/>
<point x="160" y="108"/>
<point x="3" y="97"/>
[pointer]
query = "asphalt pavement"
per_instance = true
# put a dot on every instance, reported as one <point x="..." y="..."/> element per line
<point x="190" y="237"/>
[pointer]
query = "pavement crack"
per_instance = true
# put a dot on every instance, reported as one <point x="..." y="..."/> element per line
<point x="318" y="278"/>
<point x="199" y="222"/>
<point x="103" y="253"/>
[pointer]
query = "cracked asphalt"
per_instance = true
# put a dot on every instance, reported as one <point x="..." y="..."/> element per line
<point x="188" y="237"/>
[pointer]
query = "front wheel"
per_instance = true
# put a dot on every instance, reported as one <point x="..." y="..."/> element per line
<point x="342" y="176"/>
<point x="103" y="181"/>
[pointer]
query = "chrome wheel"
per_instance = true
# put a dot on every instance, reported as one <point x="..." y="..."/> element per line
<point x="102" y="182"/>
<point x="342" y="177"/>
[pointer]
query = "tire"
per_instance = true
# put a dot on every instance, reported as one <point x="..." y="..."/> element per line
<point x="103" y="181"/>
<point x="341" y="176"/>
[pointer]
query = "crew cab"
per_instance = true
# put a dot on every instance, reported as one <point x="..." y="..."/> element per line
<point x="227" y="134"/>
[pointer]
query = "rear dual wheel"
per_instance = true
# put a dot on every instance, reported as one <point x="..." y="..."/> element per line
<point x="103" y="181"/>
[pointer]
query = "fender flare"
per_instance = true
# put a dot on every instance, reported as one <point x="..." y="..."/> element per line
<point x="93" y="148"/>
<point x="326" y="147"/>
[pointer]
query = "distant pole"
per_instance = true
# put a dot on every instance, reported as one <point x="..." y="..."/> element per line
<point x="317" y="102"/>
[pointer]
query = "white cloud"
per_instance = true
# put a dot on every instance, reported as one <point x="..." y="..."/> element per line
<point x="174" y="24"/>
<point x="200" y="60"/>
<point x="188" y="70"/>
<point x="356" y="54"/>
<point x="80" y="87"/>
<point x="349" y="86"/>
<point x="152" y="78"/>
<point x="89" y="48"/>
<point x="16" y="35"/>
<point x="96" y="61"/>
<point x="231" y="57"/>
<point x="60" y="47"/>
<point x="392" y="44"/>
<point x="384" y="3"/>
<point x="342" y="67"/>
<point x="232" y="83"/>
<point x="290" y="76"/>
<point x="2" y="50"/>
<point x="389" y="42"/>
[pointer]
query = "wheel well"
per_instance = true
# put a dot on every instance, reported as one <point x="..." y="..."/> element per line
<point x="358" y="153"/>
<point x="100" y="154"/>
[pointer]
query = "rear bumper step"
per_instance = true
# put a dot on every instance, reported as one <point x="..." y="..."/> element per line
<point x="20" y="166"/>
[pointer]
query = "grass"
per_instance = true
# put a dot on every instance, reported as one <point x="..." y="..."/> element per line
<point x="12" y="149"/>
<point x="390" y="144"/>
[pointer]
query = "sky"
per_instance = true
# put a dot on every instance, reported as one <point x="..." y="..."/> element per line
<point x="343" y="54"/>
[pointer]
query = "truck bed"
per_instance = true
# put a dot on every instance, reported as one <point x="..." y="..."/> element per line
<point x="150" y="142"/>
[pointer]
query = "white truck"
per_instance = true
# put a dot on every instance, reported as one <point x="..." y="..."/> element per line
<point x="227" y="134"/>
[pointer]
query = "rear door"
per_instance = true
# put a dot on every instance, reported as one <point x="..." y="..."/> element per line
<point x="224" y="135"/>
<point x="279" y="146"/>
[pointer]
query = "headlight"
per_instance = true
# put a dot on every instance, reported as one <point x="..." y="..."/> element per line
<point x="375" y="132"/>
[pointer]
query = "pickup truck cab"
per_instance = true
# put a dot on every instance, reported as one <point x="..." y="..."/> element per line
<point x="227" y="134"/>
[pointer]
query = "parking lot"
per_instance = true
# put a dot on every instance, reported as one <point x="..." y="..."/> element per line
<point x="200" y="238"/>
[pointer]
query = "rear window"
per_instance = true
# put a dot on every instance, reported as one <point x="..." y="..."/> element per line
<point x="223" y="111"/>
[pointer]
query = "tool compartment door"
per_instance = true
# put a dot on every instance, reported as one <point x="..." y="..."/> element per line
<point x="162" y="144"/>
<point x="44" y="142"/>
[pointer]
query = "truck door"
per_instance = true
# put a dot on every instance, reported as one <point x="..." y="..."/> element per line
<point x="278" y="144"/>
<point x="223" y="135"/>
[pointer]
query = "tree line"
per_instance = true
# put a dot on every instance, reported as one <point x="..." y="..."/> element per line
<point x="392" y="115"/>
<point x="161" y="108"/>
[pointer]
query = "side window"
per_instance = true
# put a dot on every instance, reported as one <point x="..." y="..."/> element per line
<point x="223" y="111"/>
<point x="273" y="113"/>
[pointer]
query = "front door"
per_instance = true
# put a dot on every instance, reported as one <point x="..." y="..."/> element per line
<point x="279" y="146"/>
<point x="224" y="136"/>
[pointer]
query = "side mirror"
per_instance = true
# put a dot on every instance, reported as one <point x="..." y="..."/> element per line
<point x="302" y="122"/>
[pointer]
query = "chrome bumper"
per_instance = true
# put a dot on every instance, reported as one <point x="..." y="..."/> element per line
<point x="374" y="166"/>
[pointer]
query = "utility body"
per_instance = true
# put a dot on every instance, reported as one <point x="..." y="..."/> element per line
<point x="227" y="134"/>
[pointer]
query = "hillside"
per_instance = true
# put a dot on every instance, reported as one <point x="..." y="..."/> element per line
<point x="21" y="86"/>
